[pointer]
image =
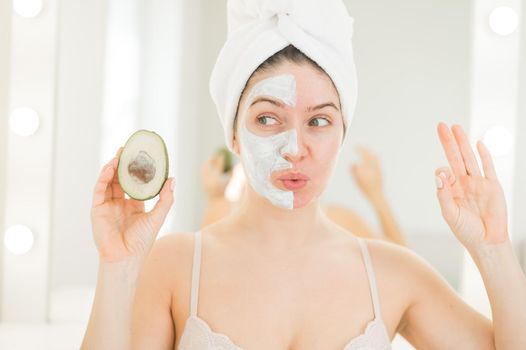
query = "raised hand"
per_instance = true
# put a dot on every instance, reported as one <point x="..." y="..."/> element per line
<point x="121" y="228"/>
<point x="367" y="173"/>
<point x="212" y="176"/>
<point x="472" y="203"/>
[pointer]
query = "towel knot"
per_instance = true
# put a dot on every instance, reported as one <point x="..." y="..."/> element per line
<point x="271" y="8"/>
<point x="243" y="12"/>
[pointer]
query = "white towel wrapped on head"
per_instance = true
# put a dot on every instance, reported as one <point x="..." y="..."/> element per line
<point x="257" y="29"/>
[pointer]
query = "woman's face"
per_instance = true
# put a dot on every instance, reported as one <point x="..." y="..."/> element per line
<point x="289" y="132"/>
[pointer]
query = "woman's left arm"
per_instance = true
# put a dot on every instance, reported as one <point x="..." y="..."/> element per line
<point x="506" y="287"/>
<point x="474" y="207"/>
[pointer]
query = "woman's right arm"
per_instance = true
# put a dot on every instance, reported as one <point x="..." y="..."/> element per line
<point x="109" y="325"/>
<point x="124" y="235"/>
<point x="368" y="176"/>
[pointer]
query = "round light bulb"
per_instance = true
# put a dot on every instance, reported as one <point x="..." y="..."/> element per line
<point x="503" y="20"/>
<point x="27" y="8"/>
<point x="19" y="239"/>
<point x="499" y="140"/>
<point x="24" y="121"/>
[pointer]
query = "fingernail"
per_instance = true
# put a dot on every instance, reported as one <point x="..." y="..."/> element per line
<point x="172" y="185"/>
<point x="442" y="175"/>
<point x="438" y="182"/>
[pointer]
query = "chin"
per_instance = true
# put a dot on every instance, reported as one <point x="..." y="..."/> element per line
<point x="302" y="200"/>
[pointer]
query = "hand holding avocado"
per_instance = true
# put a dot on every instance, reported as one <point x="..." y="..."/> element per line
<point x="121" y="228"/>
<point x="216" y="172"/>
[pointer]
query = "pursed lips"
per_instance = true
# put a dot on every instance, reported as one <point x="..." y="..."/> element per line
<point x="294" y="176"/>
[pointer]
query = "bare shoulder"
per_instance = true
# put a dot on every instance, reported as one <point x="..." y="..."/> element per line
<point x="431" y="308"/>
<point x="170" y="268"/>
<point x="409" y="279"/>
<point x="173" y="245"/>
<point x="348" y="219"/>
<point x="171" y="258"/>
<point x="401" y="263"/>
<point x="153" y="316"/>
<point x="169" y="261"/>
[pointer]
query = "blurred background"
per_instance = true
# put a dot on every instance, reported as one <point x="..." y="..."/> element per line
<point x="77" y="78"/>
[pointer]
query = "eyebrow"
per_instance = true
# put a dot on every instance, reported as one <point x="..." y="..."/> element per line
<point x="323" y="105"/>
<point x="279" y="104"/>
<point x="265" y="99"/>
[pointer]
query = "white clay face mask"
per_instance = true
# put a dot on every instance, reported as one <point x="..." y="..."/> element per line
<point x="262" y="156"/>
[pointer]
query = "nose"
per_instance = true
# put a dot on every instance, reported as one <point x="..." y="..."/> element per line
<point x="295" y="149"/>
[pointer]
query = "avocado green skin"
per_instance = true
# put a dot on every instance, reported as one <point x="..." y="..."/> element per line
<point x="165" y="155"/>
<point x="228" y="159"/>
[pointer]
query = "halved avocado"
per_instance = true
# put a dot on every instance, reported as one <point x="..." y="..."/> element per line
<point x="143" y="165"/>
<point x="228" y="159"/>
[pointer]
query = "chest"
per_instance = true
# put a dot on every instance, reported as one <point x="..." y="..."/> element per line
<point x="296" y="303"/>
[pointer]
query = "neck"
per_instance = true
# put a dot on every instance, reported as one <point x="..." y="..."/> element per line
<point x="278" y="228"/>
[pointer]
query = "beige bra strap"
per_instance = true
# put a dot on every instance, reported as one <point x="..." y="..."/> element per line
<point x="196" y="269"/>
<point x="371" y="276"/>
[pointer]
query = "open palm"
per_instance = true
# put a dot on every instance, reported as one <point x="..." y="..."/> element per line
<point x="121" y="227"/>
<point x="472" y="203"/>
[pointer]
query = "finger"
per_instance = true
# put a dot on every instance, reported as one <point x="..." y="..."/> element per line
<point x="212" y="163"/>
<point x="367" y="153"/>
<point x="100" y="192"/>
<point x="354" y="169"/>
<point x="451" y="150"/>
<point x="448" y="206"/>
<point x="207" y="165"/>
<point x="110" y="194"/>
<point x="466" y="151"/>
<point x="163" y="205"/>
<point x="363" y="152"/>
<point x="448" y="174"/>
<point x="116" y="188"/>
<point x="103" y="190"/>
<point x="487" y="161"/>
<point x="119" y="152"/>
<point x="219" y="162"/>
<point x="360" y="149"/>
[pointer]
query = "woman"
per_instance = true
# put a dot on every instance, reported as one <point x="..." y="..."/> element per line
<point x="277" y="273"/>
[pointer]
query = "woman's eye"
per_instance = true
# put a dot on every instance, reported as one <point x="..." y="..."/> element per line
<point x="266" y="120"/>
<point x="319" y="122"/>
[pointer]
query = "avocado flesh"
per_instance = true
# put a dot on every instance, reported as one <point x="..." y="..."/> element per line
<point x="143" y="165"/>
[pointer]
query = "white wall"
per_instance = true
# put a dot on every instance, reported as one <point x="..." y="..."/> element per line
<point x="190" y="137"/>
<point x="5" y="42"/>
<point x="213" y="39"/>
<point x="80" y="67"/>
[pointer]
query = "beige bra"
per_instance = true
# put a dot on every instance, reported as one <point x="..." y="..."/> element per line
<point x="197" y="334"/>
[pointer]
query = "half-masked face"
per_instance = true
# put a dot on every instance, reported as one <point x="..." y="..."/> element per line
<point x="289" y="133"/>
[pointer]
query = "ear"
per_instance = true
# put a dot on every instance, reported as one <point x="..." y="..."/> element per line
<point x="235" y="144"/>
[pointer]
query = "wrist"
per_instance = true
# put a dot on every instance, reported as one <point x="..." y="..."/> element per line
<point x="376" y="196"/>
<point x="490" y="255"/>
<point x="129" y="268"/>
<point x="215" y="196"/>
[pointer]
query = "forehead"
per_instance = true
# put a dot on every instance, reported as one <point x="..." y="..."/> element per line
<point x="311" y="85"/>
